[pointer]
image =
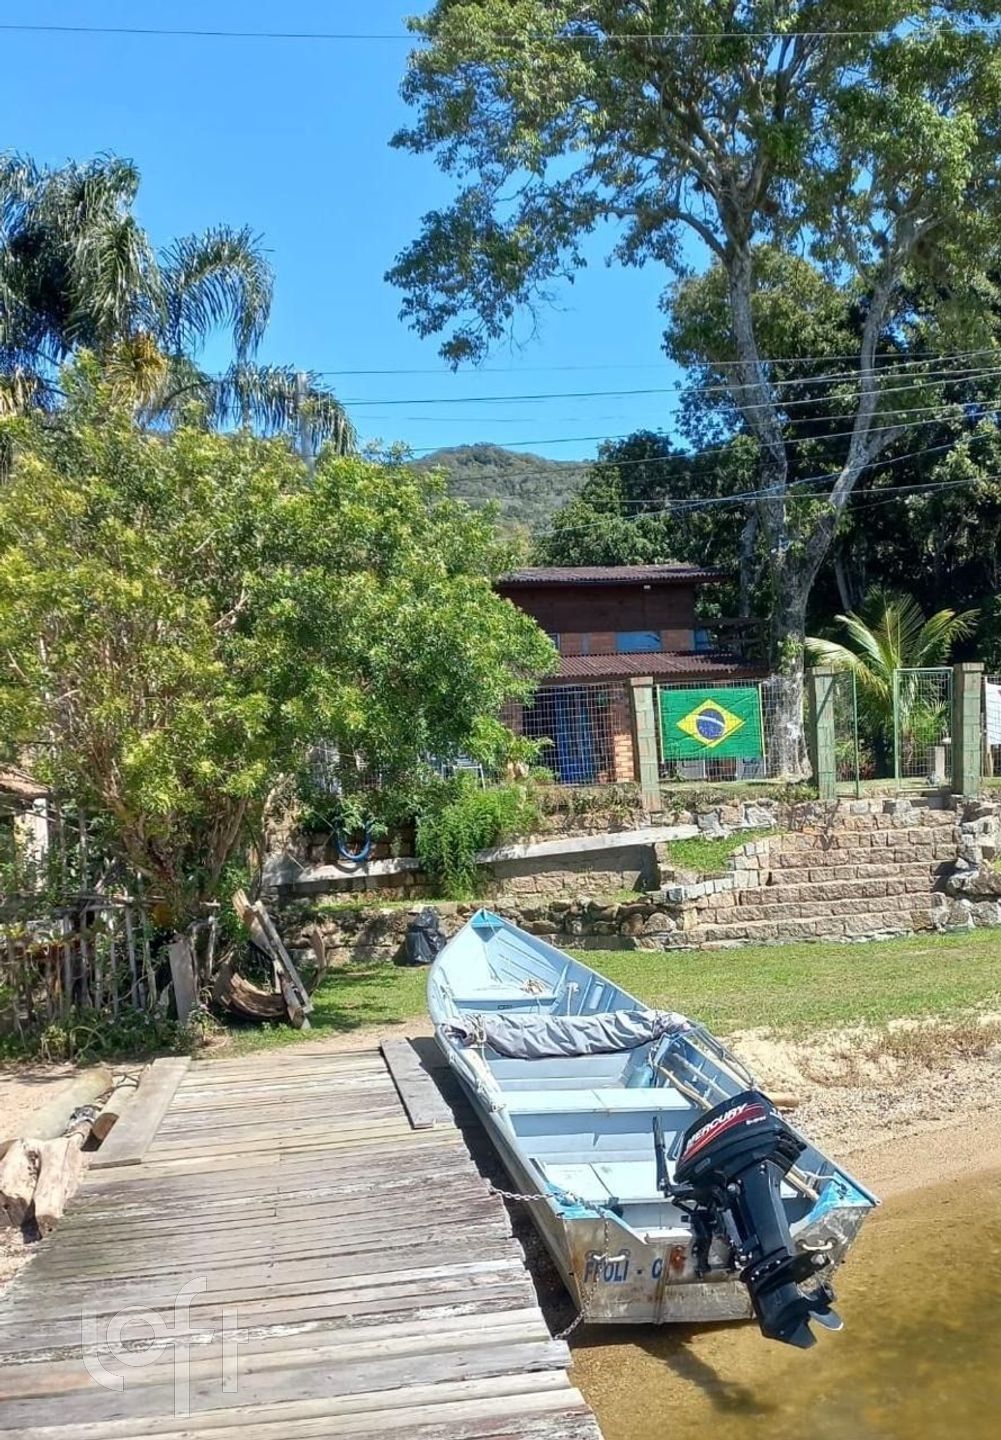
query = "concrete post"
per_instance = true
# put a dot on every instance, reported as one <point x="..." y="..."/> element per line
<point x="645" y="730"/>
<point x="967" y="728"/>
<point x="820" y="731"/>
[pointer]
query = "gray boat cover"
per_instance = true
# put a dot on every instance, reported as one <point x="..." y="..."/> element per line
<point x="541" y="1037"/>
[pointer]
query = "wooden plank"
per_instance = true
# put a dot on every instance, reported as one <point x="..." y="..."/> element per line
<point x="261" y="1386"/>
<point x="421" y="1097"/>
<point x="397" y="1305"/>
<point x="131" y="1137"/>
<point x="261" y="1355"/>
<point x="447" y="1403"/>
<point x="60" y="1339"/>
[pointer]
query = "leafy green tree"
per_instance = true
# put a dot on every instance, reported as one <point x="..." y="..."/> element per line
<point x="78" y="272"/>
<point x="860" y="136"/>
<point x="182" y="615"/>
<point x="643" y="503"/>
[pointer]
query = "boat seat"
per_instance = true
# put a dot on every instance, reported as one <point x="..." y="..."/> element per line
<point x="629" y="1181"/>
<point x="595" y="1101"/>
<point x="506" y="997"/>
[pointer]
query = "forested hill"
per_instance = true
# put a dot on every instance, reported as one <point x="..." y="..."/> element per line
<point x="528" y="488"/>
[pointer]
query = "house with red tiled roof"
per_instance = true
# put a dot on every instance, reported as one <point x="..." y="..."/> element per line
<point x="614" y="626"/>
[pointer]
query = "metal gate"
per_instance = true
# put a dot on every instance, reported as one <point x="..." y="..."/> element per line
<point x="852" y="761"/>
<point x="922" y="726"/>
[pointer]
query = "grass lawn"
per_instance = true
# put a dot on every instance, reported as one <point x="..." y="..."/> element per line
<point x="794" y="988"/>
<point x="707" y="857"/>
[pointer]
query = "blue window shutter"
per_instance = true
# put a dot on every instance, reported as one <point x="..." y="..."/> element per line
<point x="634" y="642"/>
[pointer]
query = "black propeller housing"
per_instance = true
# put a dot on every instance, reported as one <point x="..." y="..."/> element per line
<point x="732" y="1162"/>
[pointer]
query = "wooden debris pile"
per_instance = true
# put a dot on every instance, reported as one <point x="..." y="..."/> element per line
<point x="39" y="1173"/>
<point x="289" y="996"/>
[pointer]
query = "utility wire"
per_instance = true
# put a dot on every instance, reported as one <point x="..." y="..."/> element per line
<point x="892" y="358"/>
<point x="931" y="377"/>
<point x="402" y="36"/>
<point x="716" y="501"/>
<point x="952" y="411"/>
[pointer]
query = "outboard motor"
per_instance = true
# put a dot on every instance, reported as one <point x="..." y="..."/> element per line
<point x="732" y="1163"/>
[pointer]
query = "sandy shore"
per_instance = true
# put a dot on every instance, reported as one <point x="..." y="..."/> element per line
<point x="903" y="1106"/>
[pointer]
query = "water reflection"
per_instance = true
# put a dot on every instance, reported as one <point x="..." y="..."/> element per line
<point x="919" y="1357"/>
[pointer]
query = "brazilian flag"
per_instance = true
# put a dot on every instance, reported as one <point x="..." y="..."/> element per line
<point x="724" y="722"/>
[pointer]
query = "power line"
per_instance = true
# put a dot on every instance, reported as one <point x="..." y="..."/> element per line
<point x="934" y="376"/>
<point x="407" y="37"/>
<point x="894" y="361"/>
<point x="938" y="413"/>
<point x="715" y="501"/>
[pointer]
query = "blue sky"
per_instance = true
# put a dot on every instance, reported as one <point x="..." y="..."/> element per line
<point x="291" y="137"/>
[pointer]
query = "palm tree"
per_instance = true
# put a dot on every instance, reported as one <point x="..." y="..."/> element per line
<point x="889" y="638"/>
<point x="77" y="271"/>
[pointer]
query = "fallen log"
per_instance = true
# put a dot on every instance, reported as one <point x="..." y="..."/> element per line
<point x="18" y="1174"/>
<point x="52" y="1119"/>
<point x="110" y="1112"/>
<point x="266" y="938"/>
<point x="60" y="1165"/>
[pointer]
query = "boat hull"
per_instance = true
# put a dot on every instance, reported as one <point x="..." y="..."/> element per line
<point x="623" y="1258"/>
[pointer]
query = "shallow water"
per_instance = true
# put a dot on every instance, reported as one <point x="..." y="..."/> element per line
<point x="919" y="1357"/>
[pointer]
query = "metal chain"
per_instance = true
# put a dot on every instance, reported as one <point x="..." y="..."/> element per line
<point x="599" y="1260"/>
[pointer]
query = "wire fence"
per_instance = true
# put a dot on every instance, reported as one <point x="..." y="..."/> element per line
<point x="586" y="733"/>
<point x="922" y="725"/>
<point x="727" y="730"/>
<point x="992" y="725"/>
<point x="854" y="758"/>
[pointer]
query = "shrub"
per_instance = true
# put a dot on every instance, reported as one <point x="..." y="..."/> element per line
<point x="462" y="819"/>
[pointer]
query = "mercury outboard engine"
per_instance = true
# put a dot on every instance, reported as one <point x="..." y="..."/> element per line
<point x="732" y="1162"/>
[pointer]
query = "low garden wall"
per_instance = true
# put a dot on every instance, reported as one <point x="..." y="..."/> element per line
<point x="550" y="864"/>
<point x="850" y="870"/>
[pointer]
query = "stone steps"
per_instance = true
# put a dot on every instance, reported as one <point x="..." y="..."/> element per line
<point x="883" y="869"/>
<point x="813" y="909"/>
<point x="895" y="881"/>
<point x="821" y="927"/>
<point x="902" y="851"/>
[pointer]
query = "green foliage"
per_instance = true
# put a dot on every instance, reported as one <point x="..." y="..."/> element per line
<point x="184" y="615"/>
<point x="464" y="818"/>
<point x="623" y="514"/>
<point x="78" y="271"/>
<point x="527" y="489"/>
<point x="89" y="1035"/>
<point x="845" y="190"/>
<point x="891" y="634"/>
<point x="707" y="856"/>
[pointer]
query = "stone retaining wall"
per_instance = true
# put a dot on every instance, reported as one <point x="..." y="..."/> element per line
<point x="849" y="871"/>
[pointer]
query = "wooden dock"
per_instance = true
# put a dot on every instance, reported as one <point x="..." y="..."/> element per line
<point x="309" y="1263"/>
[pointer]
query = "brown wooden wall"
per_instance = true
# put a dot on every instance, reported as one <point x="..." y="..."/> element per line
<point x="603" y="610"/>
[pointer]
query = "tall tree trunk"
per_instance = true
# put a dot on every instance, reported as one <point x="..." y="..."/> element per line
<point x="844" y="581"/>
<point x="748" y="543"/>
<point x="785" y="736"/>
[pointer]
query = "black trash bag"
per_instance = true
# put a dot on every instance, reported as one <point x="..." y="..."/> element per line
<point x="424" y="938"/>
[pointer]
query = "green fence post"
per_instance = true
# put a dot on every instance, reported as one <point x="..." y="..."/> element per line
<point x="645" y="721"/>
<point x="820" y="731"/>
<point x="967" y="736"/>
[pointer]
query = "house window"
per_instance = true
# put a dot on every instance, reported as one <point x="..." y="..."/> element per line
<point x="703" y="640"/>
<point x="636" y="642"/>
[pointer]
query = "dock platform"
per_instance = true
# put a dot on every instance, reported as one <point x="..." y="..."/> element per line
<point x="291" y="1251"/>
